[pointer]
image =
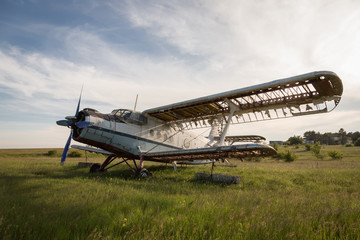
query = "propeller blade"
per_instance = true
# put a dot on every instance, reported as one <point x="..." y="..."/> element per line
<point x="68" y="122"/>
<point x="78" y="106"/>
<point x="65" y="123"/>
<point x="66" y="149"/>
<point x="83" y="124"/>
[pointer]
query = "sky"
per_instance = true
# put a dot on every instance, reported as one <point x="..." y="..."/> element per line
<point x="167" y="51"/>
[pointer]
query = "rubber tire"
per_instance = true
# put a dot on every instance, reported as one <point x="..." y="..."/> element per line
<point x="143" y="173"/>
<point x="95" y="168"/>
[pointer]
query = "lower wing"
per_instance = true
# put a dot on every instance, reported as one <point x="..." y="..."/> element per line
<point x="193" y="155"/>
<point x="222" y="152"/>
<point x="93" y="150"/>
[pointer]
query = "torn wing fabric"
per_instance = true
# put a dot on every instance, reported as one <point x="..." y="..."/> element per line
<point x="305" y="94"/>
<point x="244" y="138"/>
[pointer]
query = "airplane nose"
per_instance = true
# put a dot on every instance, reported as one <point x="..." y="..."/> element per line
<point x="79" y="124"/>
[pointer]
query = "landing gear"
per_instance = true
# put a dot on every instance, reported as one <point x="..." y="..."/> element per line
<point x="142" y="173"/>
<point x="95" y="168"/>
<point x="139" y="172"/>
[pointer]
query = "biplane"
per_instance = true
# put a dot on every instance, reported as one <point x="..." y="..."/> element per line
<point x="164" y="134"/>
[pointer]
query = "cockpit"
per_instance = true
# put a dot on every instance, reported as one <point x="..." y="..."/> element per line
<point x="129" y="116"/>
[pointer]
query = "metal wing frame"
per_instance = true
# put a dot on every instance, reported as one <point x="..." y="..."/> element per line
<point x="305" y="94"/>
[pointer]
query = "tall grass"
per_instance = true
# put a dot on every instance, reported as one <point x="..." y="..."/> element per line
<point x="305" y="199"/>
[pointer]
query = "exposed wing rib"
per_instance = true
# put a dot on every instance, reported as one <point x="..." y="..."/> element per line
<point x="90" y="149"/>
<point x="305" y="94"/>
<point x="244" y="138"/>
<point x="238" y="151"/>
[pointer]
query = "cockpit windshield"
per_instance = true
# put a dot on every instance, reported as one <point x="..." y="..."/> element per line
<point x="129" y="116"/>
<point x="121" y="112"/>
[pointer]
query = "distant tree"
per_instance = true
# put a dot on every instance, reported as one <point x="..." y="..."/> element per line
<point x="342" y="136"/>
<point x="329" y="138"/>
<point x="353" y="135"/>
<point x="295" y="140"/>
<point x="357" y="142"/>
<point x="312" y="136"/>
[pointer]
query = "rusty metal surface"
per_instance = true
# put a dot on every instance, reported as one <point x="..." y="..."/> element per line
<point x="300" y="95"/>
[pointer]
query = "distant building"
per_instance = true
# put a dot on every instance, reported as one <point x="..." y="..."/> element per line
<point x="336" y="138"/>
<point x="277" y="142"/>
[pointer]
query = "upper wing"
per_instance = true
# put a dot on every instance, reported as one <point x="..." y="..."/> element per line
<point x="309" y="93"/>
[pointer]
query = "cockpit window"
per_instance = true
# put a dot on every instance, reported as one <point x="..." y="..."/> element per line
<point x="121" y="112"/>
<point x="129" y="116"/>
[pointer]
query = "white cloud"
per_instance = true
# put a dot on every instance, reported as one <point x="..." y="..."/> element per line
<point x="219" y="45"/>
<point x="242" y="39"/>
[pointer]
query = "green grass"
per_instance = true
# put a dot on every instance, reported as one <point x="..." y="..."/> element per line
<point x="304" y="199"/>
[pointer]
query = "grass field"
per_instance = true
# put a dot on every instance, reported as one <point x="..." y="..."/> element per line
<point x="304" y="199"/>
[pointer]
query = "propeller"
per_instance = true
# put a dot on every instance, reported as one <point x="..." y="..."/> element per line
<point x="65" y="123"/>
<point x="68" y="122"/>
<point x="66" y="149"/>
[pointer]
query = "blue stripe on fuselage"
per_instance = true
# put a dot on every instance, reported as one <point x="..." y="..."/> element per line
<point x="133" y="137"/>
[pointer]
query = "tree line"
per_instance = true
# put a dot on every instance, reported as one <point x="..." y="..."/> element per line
<point x="338" y="138"/>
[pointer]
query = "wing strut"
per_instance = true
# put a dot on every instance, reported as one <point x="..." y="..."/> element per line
<point x="232" y="108"/>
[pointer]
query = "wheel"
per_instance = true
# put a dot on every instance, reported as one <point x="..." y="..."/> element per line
<point x="95" y="167"/>
<point x="142" y="173"/>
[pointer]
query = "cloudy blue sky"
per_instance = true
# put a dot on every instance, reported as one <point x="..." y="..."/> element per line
<point x="167" y="51"/>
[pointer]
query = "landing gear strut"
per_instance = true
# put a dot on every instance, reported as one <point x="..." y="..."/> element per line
<point x="139" y="172"/>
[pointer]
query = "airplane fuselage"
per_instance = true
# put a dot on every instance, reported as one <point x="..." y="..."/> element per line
<point x="131" y="133"/>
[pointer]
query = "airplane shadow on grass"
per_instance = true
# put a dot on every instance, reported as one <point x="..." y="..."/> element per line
<point x="122" y="172"/>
